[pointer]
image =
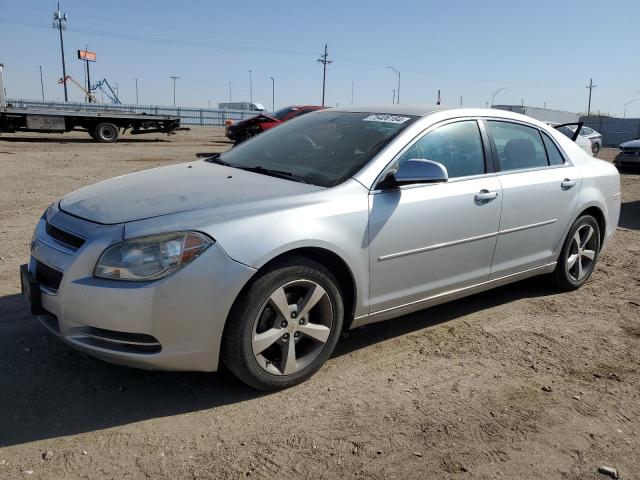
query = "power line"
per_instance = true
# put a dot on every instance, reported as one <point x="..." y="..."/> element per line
<point x="166" y="41"/>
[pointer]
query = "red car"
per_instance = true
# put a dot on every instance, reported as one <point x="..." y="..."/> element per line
<point x="252" y="126"/>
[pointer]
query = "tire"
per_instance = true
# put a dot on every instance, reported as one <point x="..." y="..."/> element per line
<point x="105" y="132"/>
<point x="595" y="148"/>
<point x="257" y="341"/>
<point x="575" y="265"/>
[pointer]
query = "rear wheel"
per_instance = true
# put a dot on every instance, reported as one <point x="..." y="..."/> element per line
<point x="285" y="326"/>
<point x="579" y="254"/>
<point x="105" y="132"/>
<point x="595" y="148"/>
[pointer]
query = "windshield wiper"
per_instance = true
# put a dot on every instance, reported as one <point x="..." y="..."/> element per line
<point x="273" y="173"/>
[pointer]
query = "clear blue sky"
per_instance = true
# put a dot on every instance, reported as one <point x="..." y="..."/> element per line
<point x="539" y="51"/>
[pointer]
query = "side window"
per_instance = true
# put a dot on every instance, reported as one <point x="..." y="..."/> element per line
<point x="518" y="146"/>
<point x="458" y="146"/>
<point x="555" y="157"/>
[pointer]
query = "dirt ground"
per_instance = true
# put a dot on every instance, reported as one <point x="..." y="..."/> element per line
<point x="450" y="392"/>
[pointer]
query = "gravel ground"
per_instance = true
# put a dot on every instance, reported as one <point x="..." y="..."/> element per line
<point x="455" y="391"/>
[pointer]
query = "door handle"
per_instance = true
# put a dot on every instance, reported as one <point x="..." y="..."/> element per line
<point x="485" y="196"/>
<point x="568" y="183"/>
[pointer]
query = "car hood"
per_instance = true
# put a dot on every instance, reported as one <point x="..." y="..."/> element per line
<point x="631" y="144"/>
<point x="173" y="189"/>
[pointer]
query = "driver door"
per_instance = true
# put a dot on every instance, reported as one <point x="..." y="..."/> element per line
<point x="430" y="239"/>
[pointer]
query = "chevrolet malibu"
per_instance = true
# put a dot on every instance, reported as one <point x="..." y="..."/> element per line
<point x="260" y="257"/>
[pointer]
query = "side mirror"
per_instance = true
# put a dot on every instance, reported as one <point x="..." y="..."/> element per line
<point x="415" y="171"/>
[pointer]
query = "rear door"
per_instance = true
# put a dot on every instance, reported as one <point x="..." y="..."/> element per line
<point x="540" y="192"/>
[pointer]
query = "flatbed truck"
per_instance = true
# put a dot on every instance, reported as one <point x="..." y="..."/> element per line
<point x="103" y="125"/>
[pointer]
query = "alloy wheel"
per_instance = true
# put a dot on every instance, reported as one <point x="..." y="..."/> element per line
<point x="292" y="327"/>
<point x="582" y="253"/>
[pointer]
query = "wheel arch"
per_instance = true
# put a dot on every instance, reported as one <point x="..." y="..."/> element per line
<point x="597" y="213"/>
<point x="330" y="260"/>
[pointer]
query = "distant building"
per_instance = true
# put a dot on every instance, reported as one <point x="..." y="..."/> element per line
<point x="542" y="114"/>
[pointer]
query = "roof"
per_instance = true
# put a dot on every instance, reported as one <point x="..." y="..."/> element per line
<point x="419" y="110"/>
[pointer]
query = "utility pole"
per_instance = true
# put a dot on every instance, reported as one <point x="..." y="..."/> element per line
<point x="324" y="60"/>
<point x="41" y="83"/>
<point x="250" y="88"/>
<point x="398" y="74"/>
<point x="273" y="94"/>
<point x="590" y="87"/>
<point x="136" y="90"/>
<point x="174" y="78"/>
<point x="60" y="22"/>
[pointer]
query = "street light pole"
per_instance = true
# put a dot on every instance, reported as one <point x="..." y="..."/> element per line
<point x="229" y="91"/>
<point x="393" y="99"/>
<point x="493" y="97"/>
<point x="60" y="22"/>
<point x="273" y="94"/>
<point x="625" y="107"/>
<point x="174" y="78"/>
<point x="250" y="88"/>
<point x="136" y="90"/>
<point x="398" y="89"/>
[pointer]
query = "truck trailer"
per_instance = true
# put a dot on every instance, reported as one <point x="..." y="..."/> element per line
<point x="103" y="126"/>
<point x="255" y="107"/>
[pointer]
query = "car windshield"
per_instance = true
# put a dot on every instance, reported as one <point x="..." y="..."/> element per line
<point x="323" y="148"/>
<point x="280" y="114"/>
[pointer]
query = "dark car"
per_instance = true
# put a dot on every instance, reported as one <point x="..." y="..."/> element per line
<point x="245" y="129"/>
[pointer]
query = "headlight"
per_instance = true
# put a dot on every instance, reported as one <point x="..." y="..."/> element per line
<point x="152" y="257"/>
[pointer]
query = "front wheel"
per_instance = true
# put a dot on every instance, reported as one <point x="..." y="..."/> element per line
<point x="595" y="148"/>
<point x="285" y="326"/>
<point x="579" y="254"/>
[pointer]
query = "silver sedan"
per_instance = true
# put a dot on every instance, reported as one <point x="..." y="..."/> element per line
<point x="260" y="257"/>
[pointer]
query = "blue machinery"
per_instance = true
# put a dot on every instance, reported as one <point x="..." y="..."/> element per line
<point x="104" y="87"/>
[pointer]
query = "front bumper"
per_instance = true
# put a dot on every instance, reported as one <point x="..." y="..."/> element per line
<point x="175" y="323"/>
<point x="627" y="159"/>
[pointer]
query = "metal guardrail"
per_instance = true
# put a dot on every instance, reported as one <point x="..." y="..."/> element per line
<point x="614" y="130"/>
<point x="188" y="115"/>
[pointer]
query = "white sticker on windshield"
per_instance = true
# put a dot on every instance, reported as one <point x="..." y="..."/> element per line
<point x="380" y="117"/>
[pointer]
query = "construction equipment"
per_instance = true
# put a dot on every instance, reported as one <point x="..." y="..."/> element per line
<point x="104" y="87"/>
<point x="88" y="95"/>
